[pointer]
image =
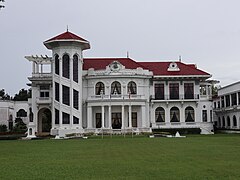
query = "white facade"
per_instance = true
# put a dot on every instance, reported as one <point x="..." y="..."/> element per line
<point x="113" y="94"/>
<point x="10" y="110"/>
<point x="227" y="107"/>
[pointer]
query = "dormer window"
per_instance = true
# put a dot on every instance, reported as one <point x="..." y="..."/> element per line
<point x="173" y="67"/>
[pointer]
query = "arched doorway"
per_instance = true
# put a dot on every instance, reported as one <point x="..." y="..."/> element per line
<point x="44" y="121"/>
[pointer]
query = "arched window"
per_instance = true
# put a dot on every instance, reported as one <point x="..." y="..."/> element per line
<point x="21" y="113"/>
<point x="189" y="114"/>
<point x="219" y="122"/>
<point x="116" y="88"/>
<point x="132" y="87"/>
<point x="228" y="121"/>
<point x="30" y="131"/>
<point x="57" y="64"/>
<point x="66" y="66"/>
<point x="75" y="68"/>
<point x="160" y="115"/>
<point x="99" y="88"/>
<point x="30" y="115"/>
<point x="223" y="121"/>
<point x="234" y="121"/>
<point x="10" y="122"/>
<point x="174" y="114"/>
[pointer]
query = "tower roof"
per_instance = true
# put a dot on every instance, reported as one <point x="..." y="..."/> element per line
<point x="67" y="37"/>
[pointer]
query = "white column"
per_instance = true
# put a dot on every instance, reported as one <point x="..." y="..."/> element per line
<point x="89" y="117"/>
<point x="143" y="108"/>
<point x="123" y="126"/>
<point x="130" y="115"/>
<point x="110" y="116"/>
<point x="103" y="117"/>
<point x="33" y="67"/>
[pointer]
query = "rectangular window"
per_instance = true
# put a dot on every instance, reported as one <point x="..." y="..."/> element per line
<point x="234" y="99"/>
<point x="174" y="90"/>
<point x="134" y="119"/>
<point x="188" y="91"/>
<point x="159" y="91"/>
<point x="222" y="101"/>
<point x="75" y="120"/>
<point x="218" y="104"/>
<point x="227" y="97"/>
<point x="56" y="116"/>
<point x="65" y="118"/>
<point x="204" y="115"/>
<point x="56" y="91"/>
<point x="238" y="97"/>
<point x="75" y="99"/>
<point x="65" y="95"/>
<point x="98" y="120"/>
<point x="44" y="93"/>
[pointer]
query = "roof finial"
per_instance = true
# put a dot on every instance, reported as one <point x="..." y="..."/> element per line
<point x="67" y="28"/>
<point x="127" y="54"/>
<point x="180" y="58"/>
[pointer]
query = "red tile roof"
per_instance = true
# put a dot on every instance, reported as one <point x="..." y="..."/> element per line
<point x="66" y="36"/>
<point x="158" y="68"/>
<point x="101" y="63"/>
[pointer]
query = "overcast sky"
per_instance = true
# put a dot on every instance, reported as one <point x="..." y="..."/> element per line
<point x="204" y="32"/>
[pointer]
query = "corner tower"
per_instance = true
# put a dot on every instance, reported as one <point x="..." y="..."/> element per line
<point x="67" y="63"/>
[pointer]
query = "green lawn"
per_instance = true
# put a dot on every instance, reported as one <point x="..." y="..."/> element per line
<point x="194" y="157"/>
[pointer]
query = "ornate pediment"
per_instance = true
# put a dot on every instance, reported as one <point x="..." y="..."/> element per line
<point x="116" y="66"/>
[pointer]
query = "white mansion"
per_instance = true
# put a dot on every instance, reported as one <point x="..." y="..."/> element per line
<point x="72" y="94"/>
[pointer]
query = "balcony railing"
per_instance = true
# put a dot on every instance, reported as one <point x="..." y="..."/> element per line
<point x="43" y="100"/>
<point x="116" y="96"/>
<point x="176" y="97"/>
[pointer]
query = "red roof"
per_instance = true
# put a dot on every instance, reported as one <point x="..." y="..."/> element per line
<point x="101" y="63"/>
<point x="66" y="36"/>
<point x="161" y="68"/>
<point x="158" y="68"/>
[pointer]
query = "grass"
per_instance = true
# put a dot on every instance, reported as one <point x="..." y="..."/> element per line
<point x="194" y="157"/>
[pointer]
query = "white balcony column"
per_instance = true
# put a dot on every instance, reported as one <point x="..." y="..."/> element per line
<point x="89" y="117"/>
<point x="130" y="115"/>
<point x="110" y="116"/>
<point x="37" y="68"/>
<point x="33" y="67"/>
<point x="123" y="126"/>
<point x="103" y="117"/>
<point x="143" y="109"/>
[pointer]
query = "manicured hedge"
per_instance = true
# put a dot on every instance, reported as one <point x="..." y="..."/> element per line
<point x="180" y="130"/>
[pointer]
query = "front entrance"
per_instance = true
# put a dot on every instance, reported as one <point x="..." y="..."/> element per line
<point x="116" y="120"/>
<point x="44" y="121"/>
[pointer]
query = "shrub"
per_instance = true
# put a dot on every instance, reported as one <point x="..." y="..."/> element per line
<point x="3" y="128"/>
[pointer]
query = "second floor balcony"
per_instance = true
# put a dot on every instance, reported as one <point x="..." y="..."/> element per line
<point x="43" y="100"/>
<point x="117" y="97"/>
<point x="176" y="97"/>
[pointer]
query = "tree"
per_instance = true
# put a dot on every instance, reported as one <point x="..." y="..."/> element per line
<point x="2" y="6"/>
<point x="3" y="128"/>
<point x="22" y="95"/>
<point x="3" y="95"/>
<point x="20" y="126"/>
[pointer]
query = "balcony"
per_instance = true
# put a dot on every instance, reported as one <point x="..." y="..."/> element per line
<point x="180" y="97"/>
<point x="43" y="100"/>
<point x="117" y="97"/>
<point x="41" y="77"/>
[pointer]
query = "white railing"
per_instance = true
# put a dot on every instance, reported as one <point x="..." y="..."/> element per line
<point x="116" y="96"/>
